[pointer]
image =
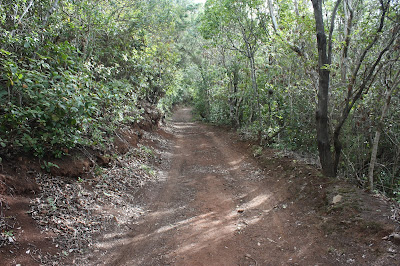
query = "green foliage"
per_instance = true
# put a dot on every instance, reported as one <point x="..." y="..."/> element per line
<point x="49" y="108"/>
<point x="48" y="165"/>
<point x="147" y="152"/>
<point x="52" y="203"/>
<point x="257" y="150"/>
<point x="72" y="73"/>
<point x="148" y="169"/>
<point x="42" y="110"/>
<point x="283" y="114"/>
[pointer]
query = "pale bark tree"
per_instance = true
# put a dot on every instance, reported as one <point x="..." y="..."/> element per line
<point x="239" y="30"/>
<point x="392" y="86"/>
<point x="27" y="8"/>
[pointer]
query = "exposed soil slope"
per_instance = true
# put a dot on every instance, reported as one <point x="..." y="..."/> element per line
<point x="214" y="204"/>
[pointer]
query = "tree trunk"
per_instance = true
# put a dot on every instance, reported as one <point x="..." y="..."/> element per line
<point x="323" y="140"/>
<point x="257" y="97"/>
<point x="233" y="98"/>
<point x="378" y="135"/>
<point x="373" y="159"/>
<point x="239" y="114"/>
<point x="348" y="21"/>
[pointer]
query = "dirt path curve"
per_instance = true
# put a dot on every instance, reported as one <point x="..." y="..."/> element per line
<point x="215" y="206"/>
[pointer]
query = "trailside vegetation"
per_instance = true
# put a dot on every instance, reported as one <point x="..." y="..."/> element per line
<point x="317" y="77"/>
<point x="72" y="72"/>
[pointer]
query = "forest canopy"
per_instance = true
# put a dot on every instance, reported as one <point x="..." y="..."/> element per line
<point x="320" y="78"/>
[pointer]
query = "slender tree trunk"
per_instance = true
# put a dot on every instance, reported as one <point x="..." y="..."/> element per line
<point x="378" y="135"/>
<point x="231" y="103"/>
<point x="272" y="15"/>
<point x="238" y="114"/>
<point x="348" y="20"/>
<point x="257" y="96"/>
<point x="373" y="159"/>
<point x="233" y="98"/>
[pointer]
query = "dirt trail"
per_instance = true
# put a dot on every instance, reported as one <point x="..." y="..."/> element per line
<point x="216" y="206"/>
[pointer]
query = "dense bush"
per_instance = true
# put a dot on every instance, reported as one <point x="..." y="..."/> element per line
<point x="73" y="72"/>
<point x="50" y="108"/>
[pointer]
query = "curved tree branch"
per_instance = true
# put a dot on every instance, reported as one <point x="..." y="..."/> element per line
<point x="22" y="16"/>
<point x="292" y="46"/>
<point x="331" y="30"/>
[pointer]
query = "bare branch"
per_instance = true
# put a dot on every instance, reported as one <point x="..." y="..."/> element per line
<point x="375" y="40"/>
<point x="331" y="30"/>
<point x="25" y="11"/>
<point x="292" y="46"/>
<point x="22" y="16"/>
<point x="363" y="86"/>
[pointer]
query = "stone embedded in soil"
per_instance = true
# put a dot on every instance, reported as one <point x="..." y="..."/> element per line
<point x="103" y="160"/>
<point x="395" y="238"/>
<point x="336" y="199"/>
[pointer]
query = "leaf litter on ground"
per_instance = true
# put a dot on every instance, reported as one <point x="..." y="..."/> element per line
<point x="75" y="211"/>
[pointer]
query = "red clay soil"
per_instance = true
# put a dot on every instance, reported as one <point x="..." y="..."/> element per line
<point x="17" y="187"/>
<point x="30" y="243"/>
<point x="215" y="204"/>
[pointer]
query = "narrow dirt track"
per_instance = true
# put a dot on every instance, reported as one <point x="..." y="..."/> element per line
<point x="215" y="206"/>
